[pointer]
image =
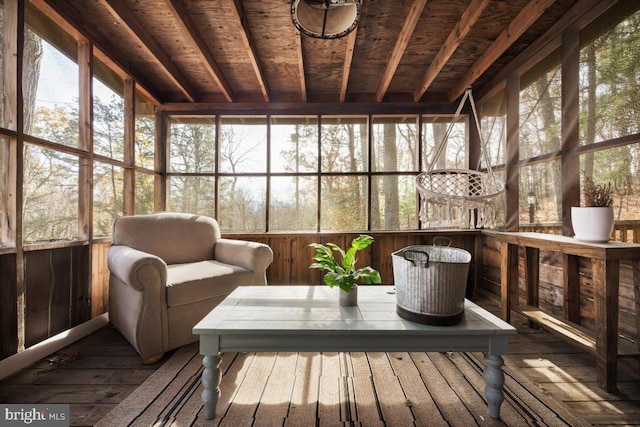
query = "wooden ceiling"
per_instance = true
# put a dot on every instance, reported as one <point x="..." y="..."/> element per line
<point x="236" y="51"/>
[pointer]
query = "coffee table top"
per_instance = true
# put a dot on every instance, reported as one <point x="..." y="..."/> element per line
<point x="314" y="311"/>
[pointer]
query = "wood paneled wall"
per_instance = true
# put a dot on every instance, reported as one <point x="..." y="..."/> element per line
<point x="551" y="293"/>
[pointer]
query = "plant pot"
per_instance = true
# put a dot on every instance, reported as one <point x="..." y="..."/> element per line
<point x="592" y="224"/>
<point x="348" y="298"/>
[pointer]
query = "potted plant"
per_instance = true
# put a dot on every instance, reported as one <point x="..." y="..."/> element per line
<point x="344" y="274"/>
<point x="594" y="221"/>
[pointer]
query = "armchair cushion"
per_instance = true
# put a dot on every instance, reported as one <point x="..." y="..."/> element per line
<point x="198" y="281"/>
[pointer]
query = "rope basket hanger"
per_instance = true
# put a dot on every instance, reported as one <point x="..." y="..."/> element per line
<point x="454" y="193"/>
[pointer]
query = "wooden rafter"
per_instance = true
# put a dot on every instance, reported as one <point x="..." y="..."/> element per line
<point x="527" y="16"/>
<point x="299" y="53"/>
<point x="134" y="27"/>
<point x="106" y="52"/>
<point x="459" y="32"/>
<point x="401" y="45"/>
<point x="346" y="68"/>
<point x="252" y="50"/>
<point x="189" y="30"/>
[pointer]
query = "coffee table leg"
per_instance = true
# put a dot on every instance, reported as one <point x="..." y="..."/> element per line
<point x="494" y="380"/>
<point x="211" y="383"/>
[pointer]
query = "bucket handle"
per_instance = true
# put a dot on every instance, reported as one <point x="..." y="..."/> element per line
<point x="417" y="262"/>
<point x="442" y="238"/>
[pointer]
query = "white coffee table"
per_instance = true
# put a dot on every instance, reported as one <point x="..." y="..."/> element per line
<point x="308" y="318"/>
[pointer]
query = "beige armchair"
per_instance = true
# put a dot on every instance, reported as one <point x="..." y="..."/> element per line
<point x="168" y="270"/>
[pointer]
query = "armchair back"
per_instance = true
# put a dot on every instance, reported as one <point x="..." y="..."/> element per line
<point x="176" y="238"/>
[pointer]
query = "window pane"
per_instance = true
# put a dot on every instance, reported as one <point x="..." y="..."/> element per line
<point x="395" y="143"/>
<point x="344" y="144"/>
<point x="393" y="203"/>
<point x="145" y="132"/>
<point x="294" y="203"/>
<point x="50" y="195"/>
<point x="344" y="204"/>
<point x="542" y="181"/>
<point x="609" y="90"/>
<point x="294" y="144"/>
<point x="540" y="114"/>
<point x="50" y="89"/>
<point x="108" y="185"/>
<point x="193" y="194"/>
<point x="243" y="204"/>
<point x="453" y="149"/>
<point x="493" y="128"/>
<point x="243" y="144"/>
<point x="619" y="166"/>
<point x="108" y="113"/>
<point x="144" y="193"/>
<point x="192" y="144"/>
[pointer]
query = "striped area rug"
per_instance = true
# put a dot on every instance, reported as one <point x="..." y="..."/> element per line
<point x="337" y="389"/>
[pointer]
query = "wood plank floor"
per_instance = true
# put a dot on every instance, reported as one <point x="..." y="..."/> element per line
<point x="99" y="371"/>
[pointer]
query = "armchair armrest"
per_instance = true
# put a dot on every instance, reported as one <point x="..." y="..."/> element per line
<point x="250" y="255"/>
<point x="136" y="268"/>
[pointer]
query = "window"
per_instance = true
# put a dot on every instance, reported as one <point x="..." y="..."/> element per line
<point x="540" y="113"/>
<point x="108" y="113"/>
<point x="144" y="131"/>
<point x="50" y="195"/>
<point x="144" y="193"/>
<point x="452" y="150"/>
<point x="610" y="84"/>
<point x="108" y="197"/>
<point x="50" y="86"/>
<point x="305" y="172"/>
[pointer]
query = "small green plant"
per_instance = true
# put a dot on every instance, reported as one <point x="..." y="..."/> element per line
<point x="596" y="195"/>
<point x="344" y="274"/>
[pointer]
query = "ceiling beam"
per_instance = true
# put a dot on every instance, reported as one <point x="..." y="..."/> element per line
<point x="252" y="50"/>
<point x="300" y="56"/>
<point x="459" y="32"/>
<point x="190" y="31"/>
<point x="106" y="52"/>
<point x="408" y="27"/>
<point x="134" y="27"/>
<point x="527" y="16"/>
<point x="346" y="68"/>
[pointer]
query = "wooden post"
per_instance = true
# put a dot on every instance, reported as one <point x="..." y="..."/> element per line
<point x="571" y="287"/>
<point x="129" y="147"/>
<point x="508" y="276"/>
<point x="513" y="152"/>
<point x="532" y="277"/>
<point x="570" y="161"/>
<point x="605" y="283"/>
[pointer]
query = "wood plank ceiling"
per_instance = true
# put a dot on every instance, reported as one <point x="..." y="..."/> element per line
<point x="249" y="51"/>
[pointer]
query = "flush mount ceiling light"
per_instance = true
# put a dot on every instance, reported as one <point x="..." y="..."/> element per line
<point x="325" y="19"/>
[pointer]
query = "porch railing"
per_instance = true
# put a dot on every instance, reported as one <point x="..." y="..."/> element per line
<point x="623" y="231"/>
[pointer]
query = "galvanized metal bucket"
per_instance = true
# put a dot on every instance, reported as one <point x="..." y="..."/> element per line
<point x="431" y="283"/>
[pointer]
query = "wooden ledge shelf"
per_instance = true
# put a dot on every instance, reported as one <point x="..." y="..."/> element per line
<point x="578" y="335"/>
<point x="605" y="263"/>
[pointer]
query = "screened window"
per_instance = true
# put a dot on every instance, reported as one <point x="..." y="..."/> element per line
<point x="451" y="149"/>
<point x="243" y="145"/>
<point x="144" y="193"/>
<point x="294" y="144"/>
<point x="243" y="203"/>
<point x="540" y="115"/>
<point x="144" y="132"/>
<point x="192" y="194"/>
<point x="294" y="203"/>
<point x="343" y="203"/>
<point x="50" y="195"/>
<point x="192" y="144"/>
<point x="108" y="197"/>
<point x="108" y="113"/>
<point x="541" y="184"/>
<point x="50" y="87"/>
<point x="610" y="83"/>
<point x="345" y="144"/>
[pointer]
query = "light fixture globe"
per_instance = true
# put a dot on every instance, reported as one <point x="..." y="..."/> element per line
<point x="325" y="19"/>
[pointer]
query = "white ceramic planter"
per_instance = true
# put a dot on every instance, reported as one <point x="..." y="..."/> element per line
<point x="592" y="224"/>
